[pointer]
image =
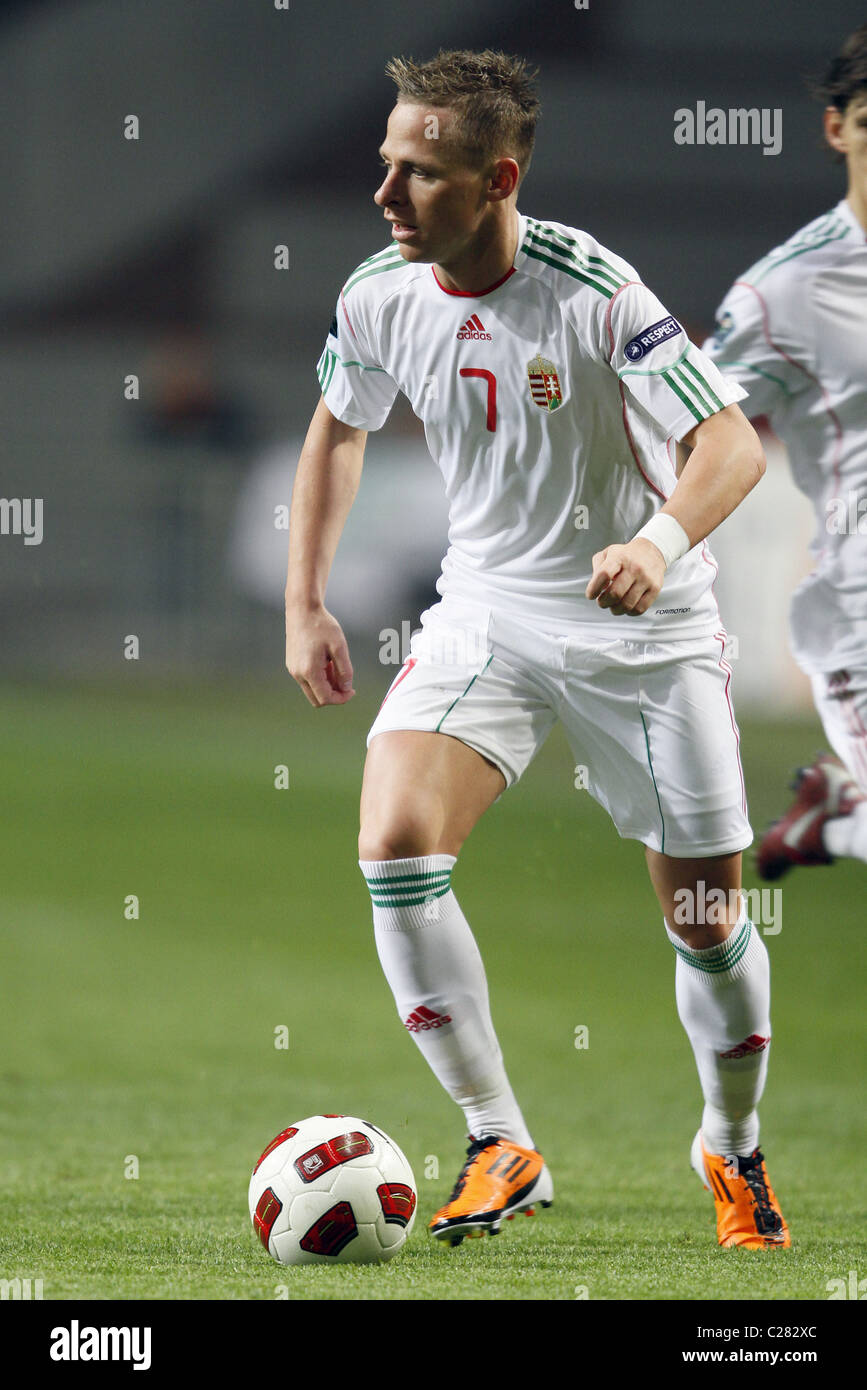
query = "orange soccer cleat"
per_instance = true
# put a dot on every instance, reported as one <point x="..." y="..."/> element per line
<point x="747" y="1211"/>
<point x="498" y="1179"/>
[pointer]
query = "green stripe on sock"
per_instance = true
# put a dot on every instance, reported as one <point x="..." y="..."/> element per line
<point x="417" y="878"/>
<point x="382" y="899"/>
<point x="407" y="890"/>
<point x="733" y="952"/>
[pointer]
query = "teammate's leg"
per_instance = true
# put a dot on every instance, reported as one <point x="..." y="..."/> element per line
<point x="722" y="985"/>
<point x="828" y="818"/>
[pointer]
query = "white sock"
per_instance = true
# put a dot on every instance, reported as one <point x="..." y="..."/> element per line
<point x="723" y="999"/>
<point x="846" y="836"/>
<point x="435" y="971"/>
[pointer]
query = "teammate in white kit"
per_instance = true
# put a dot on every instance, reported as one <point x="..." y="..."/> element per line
<point x="793" y="332"/>
<point x="554" y="390"/>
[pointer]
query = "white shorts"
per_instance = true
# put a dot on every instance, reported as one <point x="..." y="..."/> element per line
<point x="650" y="724"/>
<point x="841" y="699"/>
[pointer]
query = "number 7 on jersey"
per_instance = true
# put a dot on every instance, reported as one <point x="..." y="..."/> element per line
<point x="492" y="392"/>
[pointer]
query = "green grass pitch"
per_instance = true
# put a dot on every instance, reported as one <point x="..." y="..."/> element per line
<point x="149" y="1044"/>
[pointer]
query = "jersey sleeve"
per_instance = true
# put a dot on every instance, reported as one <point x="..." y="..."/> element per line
<point x="657" y="364"/>
<point x="356" y="388"/>
<point x="754" y="345"/>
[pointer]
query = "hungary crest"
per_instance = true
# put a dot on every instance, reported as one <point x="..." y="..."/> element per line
<point x="544" y="383"/>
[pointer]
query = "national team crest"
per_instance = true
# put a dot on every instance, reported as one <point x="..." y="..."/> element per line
<point x="544" y="383"/>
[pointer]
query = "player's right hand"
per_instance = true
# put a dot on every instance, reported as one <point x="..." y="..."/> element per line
<point x="317" y="655"/>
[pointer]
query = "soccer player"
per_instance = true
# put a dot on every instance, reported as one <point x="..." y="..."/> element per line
<point x="554" y="389"/>
<point x="793" y="332"/>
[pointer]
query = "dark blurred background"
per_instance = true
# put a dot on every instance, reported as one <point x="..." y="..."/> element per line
<point x="157" y="369"/>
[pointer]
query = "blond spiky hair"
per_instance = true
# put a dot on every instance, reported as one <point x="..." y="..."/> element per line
<point x="492" y="95"/>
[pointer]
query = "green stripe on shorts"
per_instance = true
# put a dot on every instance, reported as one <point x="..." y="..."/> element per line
<point x="463" y="693"/>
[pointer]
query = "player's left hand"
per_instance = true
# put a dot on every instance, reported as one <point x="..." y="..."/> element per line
<point x="627" y="578"/>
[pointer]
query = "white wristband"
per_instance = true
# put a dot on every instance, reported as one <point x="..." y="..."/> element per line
<point x="667" y="535"/>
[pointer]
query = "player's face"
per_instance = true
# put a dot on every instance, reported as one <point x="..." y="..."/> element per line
<point x="847" y="132"/>
<point x="435" y="203"/>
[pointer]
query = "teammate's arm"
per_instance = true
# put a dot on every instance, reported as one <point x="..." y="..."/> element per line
<point x="725" y="463"/>
<point x="329" y="471"/>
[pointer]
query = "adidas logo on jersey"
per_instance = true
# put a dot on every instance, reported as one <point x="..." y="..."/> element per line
<point x="421" y="1019"/>
<point x="473" y="328"/>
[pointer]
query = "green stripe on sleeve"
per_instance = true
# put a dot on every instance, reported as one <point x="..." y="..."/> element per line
<point x="393" y="261"/>
<point x="670" y="382"/>
<point x="702" y="381"/>
<point x="595" y="266"/>
<point x="757" y="371"/>
<point x="567" y="270"/>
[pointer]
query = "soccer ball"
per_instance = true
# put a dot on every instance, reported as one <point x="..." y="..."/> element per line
<point x="332" y="1189"/>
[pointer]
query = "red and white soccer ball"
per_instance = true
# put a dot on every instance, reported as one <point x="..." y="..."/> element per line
<point x="332" y="1189"/>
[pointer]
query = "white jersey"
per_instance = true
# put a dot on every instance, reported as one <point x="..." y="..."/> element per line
<point x="793" y="331"/>
<point x="551" y="402"/>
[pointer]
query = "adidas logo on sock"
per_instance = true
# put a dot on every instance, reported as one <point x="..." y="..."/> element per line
<point x="421" y="1019"/>
<point x="473" y="328"/>
<point x="754" y="1043"/>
